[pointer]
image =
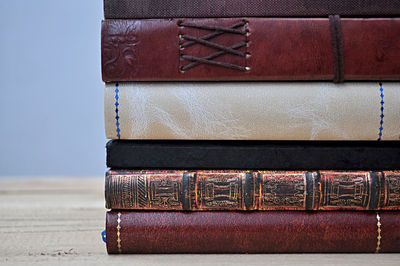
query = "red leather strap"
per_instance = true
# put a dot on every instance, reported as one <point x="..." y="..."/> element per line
<point x="337" y="47"/>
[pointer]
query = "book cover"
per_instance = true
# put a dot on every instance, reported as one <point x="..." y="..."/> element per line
<point x="335" y="49"/>
<point x="252" y="111"/>
<point x="250" y="8"/>
<point x="207" y="190"/>
<point x="252" y="232"/>
<point x="255" y="155"/>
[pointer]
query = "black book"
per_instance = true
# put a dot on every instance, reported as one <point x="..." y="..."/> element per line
<point x="124" y="9"/>
<point x="253" y="155"/>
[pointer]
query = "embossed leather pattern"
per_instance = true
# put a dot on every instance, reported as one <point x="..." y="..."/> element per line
<point x="252" y="232"/>
<point x="252" y="190"/>
<point x="249" y="49"/>
<point x="249" y="8"/>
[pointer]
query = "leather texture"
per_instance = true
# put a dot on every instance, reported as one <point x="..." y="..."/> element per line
<point x="252" y="111"/>
<point x="272" y="155"/>
<point x="252" y="190"/>
<point x="252" y="232"/>
<point x="250" y="49"/>
<point x="255" y="8"/>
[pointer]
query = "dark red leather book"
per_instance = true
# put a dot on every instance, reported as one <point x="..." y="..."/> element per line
<point x="249" y="8"/>
<point x="332" y="48"/>
<point x="252" y="190"/>
<point x="252" y="232"/>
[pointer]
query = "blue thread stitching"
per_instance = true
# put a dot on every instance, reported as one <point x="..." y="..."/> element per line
<point x="103" y="236"/>
<point x="382" y="115"/>
<point x="116" y="110"/>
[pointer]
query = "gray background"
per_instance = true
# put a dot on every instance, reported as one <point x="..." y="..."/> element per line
<point x="51" y="101"/>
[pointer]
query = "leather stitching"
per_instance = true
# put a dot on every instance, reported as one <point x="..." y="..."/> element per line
<point x="117" y="110"/>
<point x="382" y="115"/>
<point x="186" y="40"/>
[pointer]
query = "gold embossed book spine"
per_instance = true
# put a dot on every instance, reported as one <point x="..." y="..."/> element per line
<point x="252" y="190"/>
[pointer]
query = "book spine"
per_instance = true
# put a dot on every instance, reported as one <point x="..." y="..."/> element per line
<point x="255" y="155"/>
<point x="256" y="111"/>
<point x="254" y="232"/>
<point x="335" y="49"/>
<point x="252" y="190"/>
<point x="238" y="8"/>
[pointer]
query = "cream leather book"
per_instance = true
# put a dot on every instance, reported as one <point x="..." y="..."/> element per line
<point x="253" y="110"/>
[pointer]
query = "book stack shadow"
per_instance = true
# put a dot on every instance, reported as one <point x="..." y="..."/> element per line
<point x="252" y="126"/>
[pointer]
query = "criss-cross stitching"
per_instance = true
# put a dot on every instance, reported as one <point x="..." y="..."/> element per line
<point x="206" y="40"/>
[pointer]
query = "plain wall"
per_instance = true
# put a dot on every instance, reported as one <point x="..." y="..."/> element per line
<point x="51" y="101"/>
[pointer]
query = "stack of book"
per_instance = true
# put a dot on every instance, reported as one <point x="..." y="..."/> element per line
<point x="247" y="126"/>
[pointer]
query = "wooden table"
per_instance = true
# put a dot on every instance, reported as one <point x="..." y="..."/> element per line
<point x="56" y="221"/>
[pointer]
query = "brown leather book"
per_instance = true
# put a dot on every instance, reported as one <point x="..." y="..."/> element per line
<point x="252" y="190"/>
<point x="249" y="8"/>
<point x="252" y="232"/>
<point x="333" y="48"/>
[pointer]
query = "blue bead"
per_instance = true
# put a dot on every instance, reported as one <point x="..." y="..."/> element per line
<point x="103" y="236"/>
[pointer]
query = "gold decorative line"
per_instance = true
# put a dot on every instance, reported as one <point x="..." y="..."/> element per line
<point x="378" y="243"/>
<point x="119" y="233"/>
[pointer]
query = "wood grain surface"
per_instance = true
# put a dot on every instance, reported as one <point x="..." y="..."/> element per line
<point x="49" y="221"/>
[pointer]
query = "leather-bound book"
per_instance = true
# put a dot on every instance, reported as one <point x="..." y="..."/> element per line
<point x="249" y="8"/>
<point x="272" y="155"/>
<point x="252" y="111"/>
<point x="252" y="232"/>
<point x="209" y="190"/>
<point x="335" y="49"/>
